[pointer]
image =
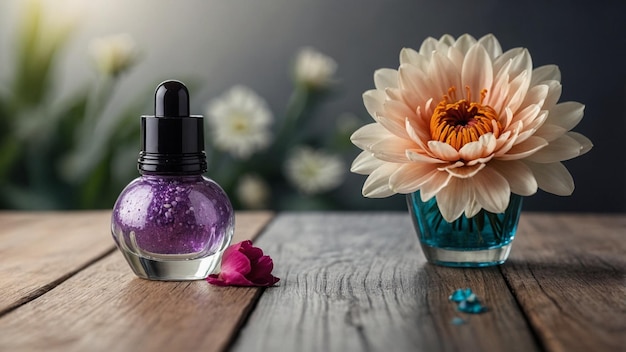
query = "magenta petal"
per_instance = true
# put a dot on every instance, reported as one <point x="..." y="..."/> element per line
<point x="231" y="249"/>
<point x="250" y="251"/>
<point x="236" y="279"/>
<point x="261" y="269"/>
<point x="215" y="279"/>
<point x="244" y="265"/>
<point x="236" y="262"/>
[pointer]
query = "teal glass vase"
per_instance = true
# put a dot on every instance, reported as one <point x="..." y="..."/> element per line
<point x="482" y="240"/>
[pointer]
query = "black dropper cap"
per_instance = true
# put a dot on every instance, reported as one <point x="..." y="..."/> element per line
<point x="172" y="141"/>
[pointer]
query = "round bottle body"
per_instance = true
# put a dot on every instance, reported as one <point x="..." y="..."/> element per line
<point x="172" y="227"/>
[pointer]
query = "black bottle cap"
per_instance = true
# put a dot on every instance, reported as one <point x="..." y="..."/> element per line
<point x="172" y="141"/>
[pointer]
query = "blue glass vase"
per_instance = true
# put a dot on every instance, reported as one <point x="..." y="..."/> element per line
<point x="482" y="240"/>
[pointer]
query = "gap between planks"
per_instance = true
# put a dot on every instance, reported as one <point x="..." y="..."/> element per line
<point x="71" y="315"/>
<point x="33" y="295"/>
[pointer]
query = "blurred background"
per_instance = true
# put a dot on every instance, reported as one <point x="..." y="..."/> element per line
<point x="76" y="75"/>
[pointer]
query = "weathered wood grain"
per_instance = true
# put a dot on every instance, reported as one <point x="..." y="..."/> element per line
<point x="349" y="282"/>
<point x="106" y="308"/>
<point x="40" y="250"/>
<point x="359" y="282"/>
<point x="568" y="272"/>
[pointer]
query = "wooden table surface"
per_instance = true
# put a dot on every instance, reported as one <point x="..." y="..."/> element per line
<point x="349" y="282"/>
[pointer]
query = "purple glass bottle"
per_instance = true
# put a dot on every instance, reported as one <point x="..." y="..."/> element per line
<point x="172" y="223"/>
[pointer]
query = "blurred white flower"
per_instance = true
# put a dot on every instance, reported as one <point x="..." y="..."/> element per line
<point x="240" y="121"/>
<point x="347" y="123"/>
<point x="113" y="54"/>
<point x="253" y="192"/>
<point x="314" y="69"/>
<point x="45" y="27"/>
<point x="314" y="171"/>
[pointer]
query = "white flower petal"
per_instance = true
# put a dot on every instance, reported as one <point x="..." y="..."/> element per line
<point x="515" y="65"/>
<point x="472" y="209"/>
<point x="377" y="184"/>
<point x="520" y="177"/>
<point x="416" y="156"/>
<point x="554" y="94"/>
<point x="517" y="91"/>
<point x="385" y="78"/>
<point x="464" y="43"/>
<point x="415" y="81"/>
<point x="434" y="184"/>
<point x="553" y="178"/>
<point x="584" y="141"/>
<point x="531" y="128"/>
<point x="545" y="73"/>
<point x="481" y="148"/>
<point x="562" y="148"/>
<point x="443" y="75"/>
<point x="373" y="101"/>
<point x="418" y="135"/>
<point x="394" y="123"/>
<point x="412" y="57"/>
<point x="550" y="132"/>
<point x="456" y="57"/>
<point x="365" y="163"/>
<point x="464" y="171"/>
<point x="566" y="115"/>
<point x="499" y="91"/>
<point x="536" y="95"/>
<point x="443" y="151"/>
<point x="477" y="71"/>
<point x="491" y="190"/>
<point x="524" y="149"/>
<point x="445" y="41"/>
<point x="491" y="45"/>
<point x="428" y="46"/>
<point x="509" y="58"/>
<point x="368" y="135"/>
<point x="453" y="199"/>
<point x="508" y="139"/>
<point x="397" y="111"/>
<point x="392" y="149"/>
<point x="410" y="177"/>
<point x="528" y="114"/>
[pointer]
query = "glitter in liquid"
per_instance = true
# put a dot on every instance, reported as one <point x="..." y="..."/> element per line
<point x="158" y="215"/>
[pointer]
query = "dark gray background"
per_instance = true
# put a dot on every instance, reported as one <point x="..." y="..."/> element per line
<point x="251" y="42"/>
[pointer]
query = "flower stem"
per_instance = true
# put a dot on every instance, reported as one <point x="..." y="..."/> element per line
<point x="295" y="109"/>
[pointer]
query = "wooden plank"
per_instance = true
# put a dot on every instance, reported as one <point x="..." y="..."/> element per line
<point x="359" y="282"/>
<point x="569" y="274"/>
<point x="106" y="308"/>
<point x="40" y="250"/>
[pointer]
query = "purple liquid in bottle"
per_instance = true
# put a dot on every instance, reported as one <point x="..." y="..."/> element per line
<point x="172" y="223"/>
<point x="173" y="215"/>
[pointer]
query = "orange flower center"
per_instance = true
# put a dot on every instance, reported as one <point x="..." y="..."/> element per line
<point x="458" y="122"/>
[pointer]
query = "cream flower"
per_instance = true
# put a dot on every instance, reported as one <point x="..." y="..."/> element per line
<point x="240" y="122"/>
<point x="464" y="122"/>
<point x="314" y="69"/>
<point x="314" y="171"/>
<point x="253" y="192"/>
<point x="114" y="54"/>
